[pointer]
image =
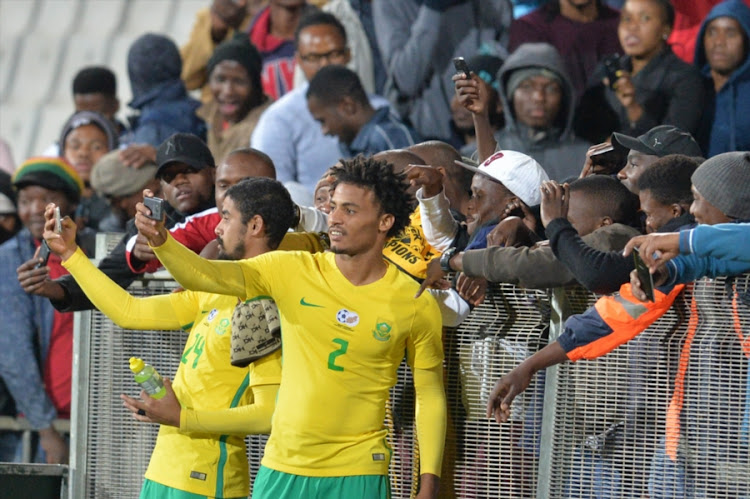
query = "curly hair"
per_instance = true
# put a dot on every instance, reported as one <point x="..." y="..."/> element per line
<point x="389" y="187"/>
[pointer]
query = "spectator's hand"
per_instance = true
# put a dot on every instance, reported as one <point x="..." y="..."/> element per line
<point x="655" y="249"/>
<point x="442" y="5"/>
<point x="555" y="199"/>
<point x="165" y="410"/>
<point x="518" y="208"/>
<point x="660" y="277"/>
<point x="623" y="88"/>
<point x="36" y="281"/>
<point x="55" y="448"/>
<point x="506" y="389"/>
<point x="625" y="93"/>
<point x="511" y="231"/>
<point x="152" y="230"/>
<point x="141" y="250"/>
<point x="588" y="165"/>
<point x="589" y="168"/>
<point x="137" y="155"/>
<point x="471" y="289"/>
<point x="64" y="243"/>
<point x="429" y="178"/>
<point x="435" y="277"/>
<point x="472" y="93"/>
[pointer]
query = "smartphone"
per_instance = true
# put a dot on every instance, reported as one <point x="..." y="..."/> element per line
<point x="608" y="159"/>
<point x="646" y="277"/>
<point x="156" y="205"/>
<point x="461" y="67"/>
<point x="58" y="220"/>
<point x="614" y="66"/>
<point x="44" y="253"/>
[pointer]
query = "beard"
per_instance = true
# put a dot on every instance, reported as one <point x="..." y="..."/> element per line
<point x="336" y="250"/>
<point x="237" y="253"/>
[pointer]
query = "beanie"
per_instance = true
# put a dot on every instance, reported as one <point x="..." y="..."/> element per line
<point x="82" y="118"/>
<point x="724" y="181"/>
<point x="240" y="50"/>
<point x="519" y="75"/>
<point x="51" y="173"/>
<point x="112" y="177"/>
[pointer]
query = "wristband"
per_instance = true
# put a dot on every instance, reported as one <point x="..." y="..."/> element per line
<point x="297" y="216"/>
<point x="445" y="259"/>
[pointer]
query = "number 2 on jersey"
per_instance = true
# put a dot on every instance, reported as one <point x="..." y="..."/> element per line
<point x="343" y="345"/>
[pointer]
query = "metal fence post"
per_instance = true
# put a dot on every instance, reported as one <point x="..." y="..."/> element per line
<point x="82" y="331"/>
<point x="560" y="309"/>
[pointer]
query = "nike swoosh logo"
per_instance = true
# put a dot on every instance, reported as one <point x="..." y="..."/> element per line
<point x="306" y="304"/>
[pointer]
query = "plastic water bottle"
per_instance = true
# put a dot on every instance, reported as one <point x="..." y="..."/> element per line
<point x="147" y="377"/>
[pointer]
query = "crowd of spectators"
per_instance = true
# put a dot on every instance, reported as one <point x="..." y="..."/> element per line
<point x="577" y="128"/>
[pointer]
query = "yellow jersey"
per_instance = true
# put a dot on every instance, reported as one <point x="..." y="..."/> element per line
<point x="342" y="345"/>
<point x="209" y="464"/>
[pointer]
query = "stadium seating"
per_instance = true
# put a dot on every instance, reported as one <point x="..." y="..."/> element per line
<point x="37" y="63"/>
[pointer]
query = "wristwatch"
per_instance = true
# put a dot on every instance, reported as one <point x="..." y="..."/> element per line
<point x="445" y="259"/>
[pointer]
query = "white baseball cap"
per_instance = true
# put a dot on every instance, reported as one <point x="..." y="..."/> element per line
<point x="520" y="173"/>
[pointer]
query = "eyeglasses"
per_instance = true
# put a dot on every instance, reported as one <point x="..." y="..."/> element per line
<point x="329" y="56"/>
<point x="169" y="175"/>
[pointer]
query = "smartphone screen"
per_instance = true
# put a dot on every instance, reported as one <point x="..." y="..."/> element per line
<point x="646" y="277"/>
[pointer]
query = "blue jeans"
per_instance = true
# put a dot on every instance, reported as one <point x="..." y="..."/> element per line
<point x="10" y="446"/>
<point x="595" y="476"/>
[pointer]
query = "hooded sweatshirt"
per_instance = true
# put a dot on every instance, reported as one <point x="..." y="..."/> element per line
<point x="154" y="67"/>
<point x="726" y="122"/>
<point x="557" y="149"/>
<point x="418" y="44"/>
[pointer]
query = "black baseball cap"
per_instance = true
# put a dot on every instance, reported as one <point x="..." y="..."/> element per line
<point x="183" y="148"/>
<point x="660" y="141"/>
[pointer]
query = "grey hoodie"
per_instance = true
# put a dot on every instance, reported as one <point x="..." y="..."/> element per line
<point x="418" y="44"/>
<point x="557" y="149"/>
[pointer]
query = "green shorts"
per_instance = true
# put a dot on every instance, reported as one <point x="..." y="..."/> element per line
<point x="153" y="490"/>
<point x="272" y="484"/>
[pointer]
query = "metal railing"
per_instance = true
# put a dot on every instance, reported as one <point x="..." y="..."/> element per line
<point x="589" y="429"/>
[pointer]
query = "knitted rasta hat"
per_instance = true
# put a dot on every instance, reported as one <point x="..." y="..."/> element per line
<point x="51" y="173"/>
